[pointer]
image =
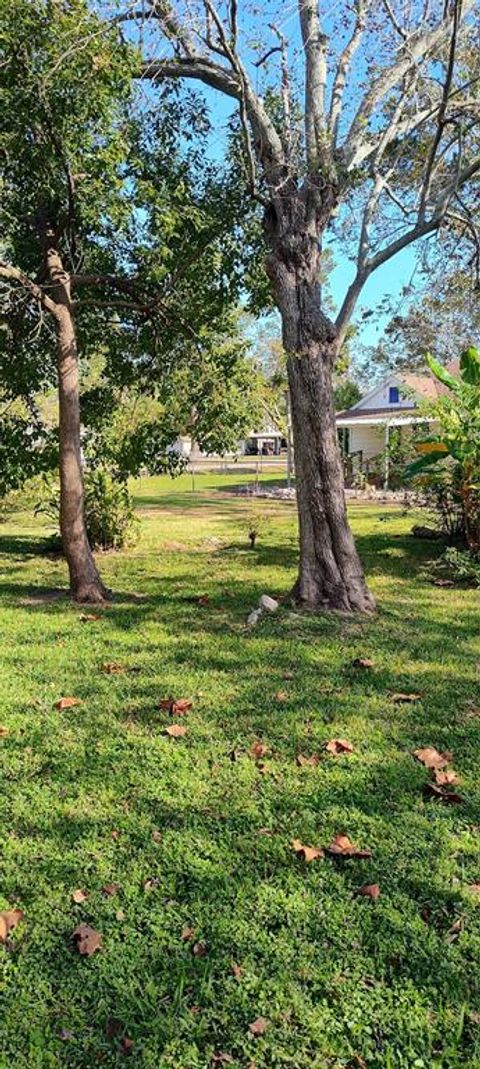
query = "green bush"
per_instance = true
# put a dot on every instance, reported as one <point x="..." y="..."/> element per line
<point x="463" y="565"/>
<point x="109" y="515"/>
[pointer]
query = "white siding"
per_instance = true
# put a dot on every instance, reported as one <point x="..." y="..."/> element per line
<point x="379" y="397"/>
<point x="370" y="440"/>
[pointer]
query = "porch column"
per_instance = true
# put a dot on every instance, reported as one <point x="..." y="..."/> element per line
<point x="387" y="458"/>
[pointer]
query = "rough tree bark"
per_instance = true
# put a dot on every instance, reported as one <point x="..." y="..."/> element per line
<point x="330" y="573"/>
<point x="85" y="582"/>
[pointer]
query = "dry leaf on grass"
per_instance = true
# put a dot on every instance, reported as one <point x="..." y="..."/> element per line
<point x="339" y="746"/>
<point x="400" y="698"/>
<point x="431" y="758"/>
<point x="175" y="731"/>
<point x="112" y="667"/>
<point x="362" y="662"/>
<point x="9" y="919"/>
<point x="203" y="600"/>
<point x="151" y="883"/>
<point x="3" y="732"/>
<point x="302" y="760"/>
<point x="237" y="972"/>
<point x="288" y="675"/>
<point x="156" y="835"/>
<point x="87" y="940"/>
<point x="89" y="617"/>
<point x="187" y="934"/>
<point x="259" y="749"/>
<point x="67" y="703"/>
<point x="79" y="896"/>
<point x="110" y="889"/>
<point x="342" y="846"/>
<point x="258" y="1027"/>
<point x="369" y="890"/>
<point x="175" y="706"/>
<point x="281" y="696"/>
<point x="447" y="797"/>
<point x="222" y="1059"/>
<point x="306" y="853"/>
<point x="115" y="834"/>
<point x="475" y="888"/>
<point x="442" y="582"/>
<point x="199" y="949"/>
<point x="126" y="1045"/>
<point x="446" y="778"/>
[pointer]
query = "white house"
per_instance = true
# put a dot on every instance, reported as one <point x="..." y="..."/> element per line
<point x="365" y="428"/>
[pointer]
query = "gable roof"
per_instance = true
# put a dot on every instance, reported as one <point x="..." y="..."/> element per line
<point x="423" y="385"/>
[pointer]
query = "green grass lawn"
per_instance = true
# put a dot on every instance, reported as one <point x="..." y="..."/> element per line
<point x="197" y="835"/>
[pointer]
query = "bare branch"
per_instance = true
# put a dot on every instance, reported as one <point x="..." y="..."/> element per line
<point x="315" y="45"/>
<point x="423" y="45"/>
<point x="343" y="67"/>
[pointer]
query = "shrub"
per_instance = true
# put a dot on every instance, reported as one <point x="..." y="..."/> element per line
<point x="463" y="565"/>
<point x="109" y="515"/>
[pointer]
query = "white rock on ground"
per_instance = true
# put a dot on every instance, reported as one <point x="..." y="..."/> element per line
<point x="254" y="617"/>
<point x="268" y="604"/>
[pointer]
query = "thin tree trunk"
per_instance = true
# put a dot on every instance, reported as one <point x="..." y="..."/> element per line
<point x="330" y="573"/>
<point x="85" y="582"/>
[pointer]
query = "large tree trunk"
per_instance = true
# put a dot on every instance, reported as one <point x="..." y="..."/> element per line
<point x="85" y="582"/>
<point x="330" y="573"/>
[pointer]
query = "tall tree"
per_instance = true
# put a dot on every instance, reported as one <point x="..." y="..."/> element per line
<point x="107" y="247"/>
<point x="383" y="140"/>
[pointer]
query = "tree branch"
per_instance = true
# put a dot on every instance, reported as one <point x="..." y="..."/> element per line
<point x="13" y="274"/>
<point x="343" y="67"/>
<point x="314" y="45"/>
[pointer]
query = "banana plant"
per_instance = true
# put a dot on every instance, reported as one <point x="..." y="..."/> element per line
<point x="457" y="413"/>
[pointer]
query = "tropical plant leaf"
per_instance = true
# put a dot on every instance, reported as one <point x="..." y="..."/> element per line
<point x="441" y="373"/>
<point x="470" y="366"/>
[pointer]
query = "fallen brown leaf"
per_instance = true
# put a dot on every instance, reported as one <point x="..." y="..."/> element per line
<point x="79" y="896"/>
<point x="362" y="662"/>
<point x="89" y="617"/>
<point x="67" y="703"/>
<point x="259" y="749"/>
<point x="448" y="778"/>
<point x="187" y="933"/>
<point x="86" y="939"/>
<point x="447" y="797"/>
<point x="306" y="853"/>
<point x="9" y="919"/>
<point x="176" y="707"/>
<point x="342" y="846"/>
<point x="302" y="760"/>
<point x="431" y="758"/>
<point x="115" y="834"/>
<point x="442" y="582"/>
<point x="475" y="888"/>
<point x="258" y="1027"/>
<point x="151" y="883"/>
<point x="156" y="835"/>
<point x="176" y="731"/>
<point x="399" y="698"/>
<point x="339" y="746"/>
<point x="120" y="915"/>
<point x="3" y="732"/>
<point x="288" y="675"/>
<point x="222" y="1059"/>
<point x="237" y="972"/>
<point x="281" y="696"/>
<point x="203" y="600"/>
<point x="112" y="667"/>
<point x="199" y="949"/>
<point x="126" y="1045"/>
<point x="110" y="889"/>
<point x="369" y="890"/>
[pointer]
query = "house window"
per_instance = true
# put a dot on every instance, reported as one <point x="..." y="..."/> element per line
<point x="393" y="395"/>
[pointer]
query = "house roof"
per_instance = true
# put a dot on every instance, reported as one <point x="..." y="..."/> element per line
<point x="367" y="413"/>
<point x="423" y="385"/>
